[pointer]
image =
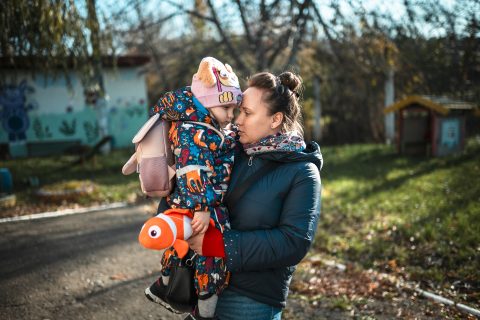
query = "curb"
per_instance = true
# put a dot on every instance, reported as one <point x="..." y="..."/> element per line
<point x="66" y="212"/>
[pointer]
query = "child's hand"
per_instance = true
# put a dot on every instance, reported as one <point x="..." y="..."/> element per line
<point x="200" y="222"/>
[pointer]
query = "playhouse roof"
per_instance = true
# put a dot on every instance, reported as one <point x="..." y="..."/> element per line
<point x="442" y="105"/>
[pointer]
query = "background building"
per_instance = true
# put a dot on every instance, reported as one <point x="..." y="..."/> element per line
<point x="44" y="115"/>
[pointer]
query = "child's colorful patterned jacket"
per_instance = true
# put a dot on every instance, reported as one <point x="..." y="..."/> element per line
<point x="204" y="153"/>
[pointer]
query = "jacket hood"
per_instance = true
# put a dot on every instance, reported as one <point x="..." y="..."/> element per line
<point x="182" y="105"/>
<point x="311" y="154"/>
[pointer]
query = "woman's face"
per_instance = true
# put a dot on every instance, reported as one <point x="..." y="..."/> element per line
<point x="254" y="121"/>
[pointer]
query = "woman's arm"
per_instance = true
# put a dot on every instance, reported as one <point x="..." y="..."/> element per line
<point x="282" y="246"/>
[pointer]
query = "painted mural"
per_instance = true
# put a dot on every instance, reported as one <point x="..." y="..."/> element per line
<point x="21" y="121"/>
<point x="14" y="110"/>
<point x="124" y="121"/>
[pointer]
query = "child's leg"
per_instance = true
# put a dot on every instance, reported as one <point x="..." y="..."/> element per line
<point x="157" y="291"/>
<point x="210" y="281"/>
<point x="169" y="258"/>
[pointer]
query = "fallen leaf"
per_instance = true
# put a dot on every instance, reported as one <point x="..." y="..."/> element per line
<point x="119" y="276"/>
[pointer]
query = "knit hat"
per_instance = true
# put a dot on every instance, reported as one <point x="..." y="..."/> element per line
<point x="215" y="84"/>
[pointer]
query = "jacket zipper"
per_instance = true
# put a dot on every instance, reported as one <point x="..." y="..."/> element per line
<point x="250" y="161"/>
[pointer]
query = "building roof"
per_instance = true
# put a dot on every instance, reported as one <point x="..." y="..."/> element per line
<point x="442" y="105"/>
<point x="26" y="62"/>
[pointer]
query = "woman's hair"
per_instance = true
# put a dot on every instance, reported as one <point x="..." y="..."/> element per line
<point x="282" y="95"/>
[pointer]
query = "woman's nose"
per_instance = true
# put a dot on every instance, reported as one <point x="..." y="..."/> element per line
<point x="239" y="120"/>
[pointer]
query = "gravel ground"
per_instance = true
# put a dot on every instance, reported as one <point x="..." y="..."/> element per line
<point x="85" y="266"/>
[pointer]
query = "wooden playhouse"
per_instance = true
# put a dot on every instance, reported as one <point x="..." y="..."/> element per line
<point x="430" y="125"/>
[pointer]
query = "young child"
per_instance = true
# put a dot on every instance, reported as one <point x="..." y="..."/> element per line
<point x="204" y="154"/>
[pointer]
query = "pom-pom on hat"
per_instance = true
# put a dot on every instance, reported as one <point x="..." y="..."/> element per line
<point x="215" y="84"/>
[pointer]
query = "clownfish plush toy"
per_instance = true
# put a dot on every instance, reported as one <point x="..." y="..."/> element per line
<point x="167" y="229"/>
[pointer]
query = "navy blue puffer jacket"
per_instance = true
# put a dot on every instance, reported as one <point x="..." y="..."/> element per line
<point x="274" y="223"/>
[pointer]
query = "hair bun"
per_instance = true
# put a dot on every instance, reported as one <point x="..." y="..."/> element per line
<point x="291" y="81"/>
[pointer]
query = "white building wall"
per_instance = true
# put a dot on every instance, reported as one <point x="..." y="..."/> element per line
<point x="61" y="114"/>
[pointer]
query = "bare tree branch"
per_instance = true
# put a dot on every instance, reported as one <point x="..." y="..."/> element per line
<point x="240" y="64"/>
<point x="233" y="53"/>
<point x="285" y="39"/>
<point x="274" y="4"/>
<point x="248" y="33"/>
<point x="149" y="24"/>
<point x="190" y="12"/>
<point x="259" y="47"/>
<point x="326" y="30"/>
<point x="148" y="40"/>
<point x="411" y="17"/>
<point x="299" y="35"/>
<point x="282" y="42"/>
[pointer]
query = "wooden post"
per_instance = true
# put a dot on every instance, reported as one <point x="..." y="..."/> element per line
<point x="400" y="145"/>
<point x="317" y="109"/>
<point x="435" y="133"/>
<point x="389" y="98"/>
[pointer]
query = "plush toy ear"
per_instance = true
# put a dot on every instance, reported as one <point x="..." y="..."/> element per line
<point x="205" y="72"/>
<point x="228" y="67"/>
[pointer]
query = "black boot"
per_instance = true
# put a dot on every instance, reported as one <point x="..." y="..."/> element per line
<point x="156" y="293"/>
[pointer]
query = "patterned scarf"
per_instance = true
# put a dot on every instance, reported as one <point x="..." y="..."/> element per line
<point x="281" y="142"/>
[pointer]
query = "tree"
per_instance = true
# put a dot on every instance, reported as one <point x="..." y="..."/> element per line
<point x="50" y="37"/>
<point x="433" y="49"/>
<point x="272" y="33"/>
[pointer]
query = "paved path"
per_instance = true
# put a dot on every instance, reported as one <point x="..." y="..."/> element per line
<point x="83" y="266"/>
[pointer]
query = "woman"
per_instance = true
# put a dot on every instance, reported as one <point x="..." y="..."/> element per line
<point x="273" y="223"/>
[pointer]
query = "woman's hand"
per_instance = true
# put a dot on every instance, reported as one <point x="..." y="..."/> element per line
<point x="200" y="222"/>
<point x="195" y="242"/>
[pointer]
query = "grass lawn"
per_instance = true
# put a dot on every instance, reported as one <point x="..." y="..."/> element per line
<point x="415" y="215"/>
<point x="103" y="173"/>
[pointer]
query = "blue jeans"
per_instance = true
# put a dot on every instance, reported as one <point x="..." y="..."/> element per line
<point x="234" y="306"/>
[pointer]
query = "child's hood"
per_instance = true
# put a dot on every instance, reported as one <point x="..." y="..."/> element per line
<point x="181" y="105"/>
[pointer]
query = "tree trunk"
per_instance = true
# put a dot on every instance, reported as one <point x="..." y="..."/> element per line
<point x="101" y="105"/>
<point x="317" y="129"/>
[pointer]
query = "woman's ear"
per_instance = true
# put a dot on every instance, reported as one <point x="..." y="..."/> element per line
<point x="277" y="120"/>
